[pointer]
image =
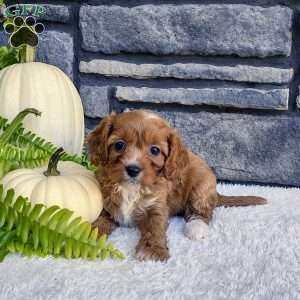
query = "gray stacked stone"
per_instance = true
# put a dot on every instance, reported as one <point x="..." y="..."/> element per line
<point x="187" y="29"/>
<point x="95" y="100"/>
<point x="227" y="97"/>
<point x="242" y="147"/>
<point x="57" y="13"/>
<point x="3" y="38"/>
<point x="223" y="74"/>
<point x="240" y="73"/>
<point x="298" y="98"/>
<point x="57" y="48"/>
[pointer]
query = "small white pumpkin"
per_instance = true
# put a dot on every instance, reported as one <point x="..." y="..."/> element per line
<point x="48" y="89"/>
<point x="73" y="187"/>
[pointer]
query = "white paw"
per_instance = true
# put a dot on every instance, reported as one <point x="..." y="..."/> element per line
<point x="196" y="230"/>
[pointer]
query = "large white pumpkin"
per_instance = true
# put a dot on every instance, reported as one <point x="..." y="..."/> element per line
<point x="74" y="188"/>
<point x="48" y="89"/>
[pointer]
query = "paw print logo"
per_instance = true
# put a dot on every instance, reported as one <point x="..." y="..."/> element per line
<point x="24" y="31"/>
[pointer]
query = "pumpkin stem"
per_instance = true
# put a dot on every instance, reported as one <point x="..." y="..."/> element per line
<point x="54" y="159"/>
<point x="27" y="54"/>
<point x="6" y="135"/>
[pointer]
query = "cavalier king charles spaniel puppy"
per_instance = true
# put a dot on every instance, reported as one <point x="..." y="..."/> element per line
<point x="147" y="175"/>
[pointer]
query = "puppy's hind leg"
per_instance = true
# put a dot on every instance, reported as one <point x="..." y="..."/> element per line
<point x="198" y="213"/>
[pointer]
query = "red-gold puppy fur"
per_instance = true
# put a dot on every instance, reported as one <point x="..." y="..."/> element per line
<point x="146" y="175"/>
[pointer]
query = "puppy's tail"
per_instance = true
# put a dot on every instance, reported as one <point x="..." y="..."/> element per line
<point x="240" y="200"/>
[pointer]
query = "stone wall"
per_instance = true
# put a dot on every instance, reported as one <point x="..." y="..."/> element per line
<point x="225" y="72"/>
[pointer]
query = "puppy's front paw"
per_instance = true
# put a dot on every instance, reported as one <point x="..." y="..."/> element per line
<point x="146" y="251"/>
<point x="196" y="230"/>
<point x="104" y="226"/>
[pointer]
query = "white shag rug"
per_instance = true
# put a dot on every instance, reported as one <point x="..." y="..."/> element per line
<point x="251" y="253"/>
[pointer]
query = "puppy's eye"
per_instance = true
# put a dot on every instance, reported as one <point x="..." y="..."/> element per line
<point x="154" y="150"/>
<point x="120" y="146"/>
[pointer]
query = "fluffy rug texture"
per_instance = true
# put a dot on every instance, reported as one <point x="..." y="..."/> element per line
<point x="251" y="253"/>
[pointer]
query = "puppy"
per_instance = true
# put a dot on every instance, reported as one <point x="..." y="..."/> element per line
<point x="146" y="175"/>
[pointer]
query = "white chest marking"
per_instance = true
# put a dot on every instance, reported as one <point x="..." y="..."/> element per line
<point x="131" y="194"/>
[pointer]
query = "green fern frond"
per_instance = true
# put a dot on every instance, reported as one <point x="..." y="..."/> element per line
<point x="24" y="149"/>
<point x="8" y="56"/>
<point x="3" y="124"/>
<point x="12" y="157"/>
<point x="23" y="139"/>
<point x="37" y="230"/>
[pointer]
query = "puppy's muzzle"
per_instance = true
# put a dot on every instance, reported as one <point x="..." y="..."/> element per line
<point x="133" y="170"/>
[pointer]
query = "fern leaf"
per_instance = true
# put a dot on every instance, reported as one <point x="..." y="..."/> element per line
<point x="104" y="254"/>
<point x="93" y="237"/>
<point x="9" y="197"/>
<point x="68" y="248"/>
<point x="8" y="56"/>
<point x="44" y="235"/>
<point x="44" y="218"/>
<point x="51" y="239"/>
<point x="58" y="244"/>
<point x="36" y="211"/>
<point x="63" y="222"/>
<point x="3" y="253"/>
<point x="15" y="124"/>
<point x="28" y="251"/>
<point x="11" y="219"/>
<point x="19" y="225"/>
<point x="83" y="232"/>
<point x="3" y="214"/>
<point x="56" y="218"/>
<point x="3" y="124"/>
<point x="11" y="246"/>
<point x="84" y="251"/>
<point x="36" y="230"/>
<point x="24" y="149"/>
<point x="19" y="246"/>
<point x="72" y="227"/>
<point x="12" y="156"/>
<point x="25" y="230"/>
<point x="76" y="249"/>
<point x="93" y="253"/>
<point x="117" y="254"/>
<point x="101" y="242"/>
<point x="7" y="238"/>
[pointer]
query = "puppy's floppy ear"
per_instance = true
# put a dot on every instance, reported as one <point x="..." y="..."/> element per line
<point x="177" y="157"/>
<point x="97" y="140"/>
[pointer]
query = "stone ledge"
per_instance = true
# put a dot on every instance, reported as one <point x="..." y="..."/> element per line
<point x="241" y="73"/>
<point x="95" y="100"/>
<point x="298" y="99"/>
<point x="224" y="29"/>
<point x="228" y="97"/>
<point x="243" y="147"/>
<point x="57" y="13"/>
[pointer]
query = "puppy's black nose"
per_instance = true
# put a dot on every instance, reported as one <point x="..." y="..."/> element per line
<point x="133" y="170"/>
